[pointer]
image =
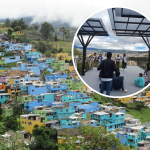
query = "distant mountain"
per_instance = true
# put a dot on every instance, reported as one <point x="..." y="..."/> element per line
<point x="108" y="50"/>
<point x="28" y="20"/>
<point x="88" y="48"/>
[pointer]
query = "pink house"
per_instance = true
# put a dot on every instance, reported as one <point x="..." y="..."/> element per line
<point x="3" y="79"/>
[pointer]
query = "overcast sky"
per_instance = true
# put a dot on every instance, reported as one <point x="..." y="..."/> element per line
<point x="112" y="41"/>
<point x="75" y="12"/>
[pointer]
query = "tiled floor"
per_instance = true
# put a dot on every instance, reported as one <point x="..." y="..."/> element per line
<point x="130" y="73"/>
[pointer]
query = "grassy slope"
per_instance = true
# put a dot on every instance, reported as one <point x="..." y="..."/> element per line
<point x="143" y="114"/>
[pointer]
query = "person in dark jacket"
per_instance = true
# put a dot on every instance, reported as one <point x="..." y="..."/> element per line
<point x="118" y="82"/>
<point x="107" y="67"/>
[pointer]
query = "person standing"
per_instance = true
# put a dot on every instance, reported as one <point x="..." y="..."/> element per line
<point x="105" y="57"/>
<point x="92" y="61"/>
<point x="124" y="61"/>
<point x="99" y="59"/>
<point x="107" y="67"/>
<point x="117" y="59"/>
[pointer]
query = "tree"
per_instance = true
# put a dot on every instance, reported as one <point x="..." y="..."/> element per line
<point x="17" y="28"/>
<point x="7" y="22"/>
<point x="46" y="138"/>
<point x="46" y="30"/>
<point x="14" y="23"/>
<point x="67" y="36"/>
<point x="20" y="23"/>
<point x="15" y="142"/>
<point x="9" y="33"/>
<point x="63" y="31"/>
<point x="93" y="138"/>
<point x="41" y="47"/>
<point x="55" y="38"/>
<point x="35" y="27"/>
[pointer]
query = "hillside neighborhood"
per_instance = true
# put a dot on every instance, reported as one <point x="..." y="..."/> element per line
<point x="50" y="94"/>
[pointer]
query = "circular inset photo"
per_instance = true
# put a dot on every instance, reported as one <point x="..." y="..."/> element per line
<point x="111" y="52"/>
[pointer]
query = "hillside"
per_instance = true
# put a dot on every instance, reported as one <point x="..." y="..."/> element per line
<point x="135" y="109"/>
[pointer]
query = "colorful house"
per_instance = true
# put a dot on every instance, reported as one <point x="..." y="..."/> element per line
<point x="110" y="121"/>
<point x="12" y="59"/>
<point x="32" y="56"/>
<point x="69" y="82"/>
<point x="27" y="67"/>
<point x="2" y="53"/>
<point x="71" y="68"/>
<point x="55" y="87"/>
<point x="59" y="65"/>
<point x="4" y="97"/>
<point x="56" y="77"/>
<point x="36" y="90"/>
<point x="19" y="32"/>
<point x="132" y="135"/>
<point x="72" y="121"/>
<point x="27" y="47"/>
<point x="78" y="85"/>
<point x="126" y="99"/>
<point x="47" y="114"/>
<point x="63" y="56"/>
<point x="30" y="120"/>
<point x="64" y="111"/>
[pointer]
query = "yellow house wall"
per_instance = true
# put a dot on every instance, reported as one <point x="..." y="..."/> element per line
<point x="148" y="94"/>
<point x="11" y="81"/>
<point x="30" y="127"/>
<point x="71" y="68"/>
<point x="126" y="100"/>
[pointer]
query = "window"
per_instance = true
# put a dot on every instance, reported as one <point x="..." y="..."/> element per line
<point x="61" y="110"/>
<point x="117" y="115"/>
<point x="32" y="90"/>
<point x="29" y="123"/>
<point x="116" y="120"/>
<point x="121" y="119"/>
<point x="122" y="114"/>
<point x="22" y="122"/>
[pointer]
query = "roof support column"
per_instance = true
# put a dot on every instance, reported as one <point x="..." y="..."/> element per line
<point x="147" y="43"/>
<point x="84" y="50"/>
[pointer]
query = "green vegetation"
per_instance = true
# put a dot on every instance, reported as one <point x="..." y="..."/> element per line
<point x="93" y="139"/>
<point x="15" y="144"/>
<point x="136" y="109"/>
<point x="141" y="61"/>
<point x="46" y="30"/>
<point x="46" y="138"/>
<point x="140" y="114"/>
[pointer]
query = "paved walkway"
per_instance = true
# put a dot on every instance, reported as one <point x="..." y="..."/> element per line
<point x="130" y="73"/>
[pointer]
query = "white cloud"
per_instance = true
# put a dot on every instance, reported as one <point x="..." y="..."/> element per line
<point x="73" y="12"/>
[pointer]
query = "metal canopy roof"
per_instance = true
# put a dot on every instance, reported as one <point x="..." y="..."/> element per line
<point x="126" y="22"/>
<point x="93" y="26"/>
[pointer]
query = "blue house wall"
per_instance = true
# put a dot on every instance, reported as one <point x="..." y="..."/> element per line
<point x="29" y="105"/>
<point x="36" y="90"/>
<point x="54" y="89"/>
<point x="2" y="53"/>
<point x="28" y="78"/>
<point x="12" y="59"/>
<point x="4" y="97"/>
<point x="110" y="121"/>
<point x="55" y="77"/>
<point x="64" y="112"/>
